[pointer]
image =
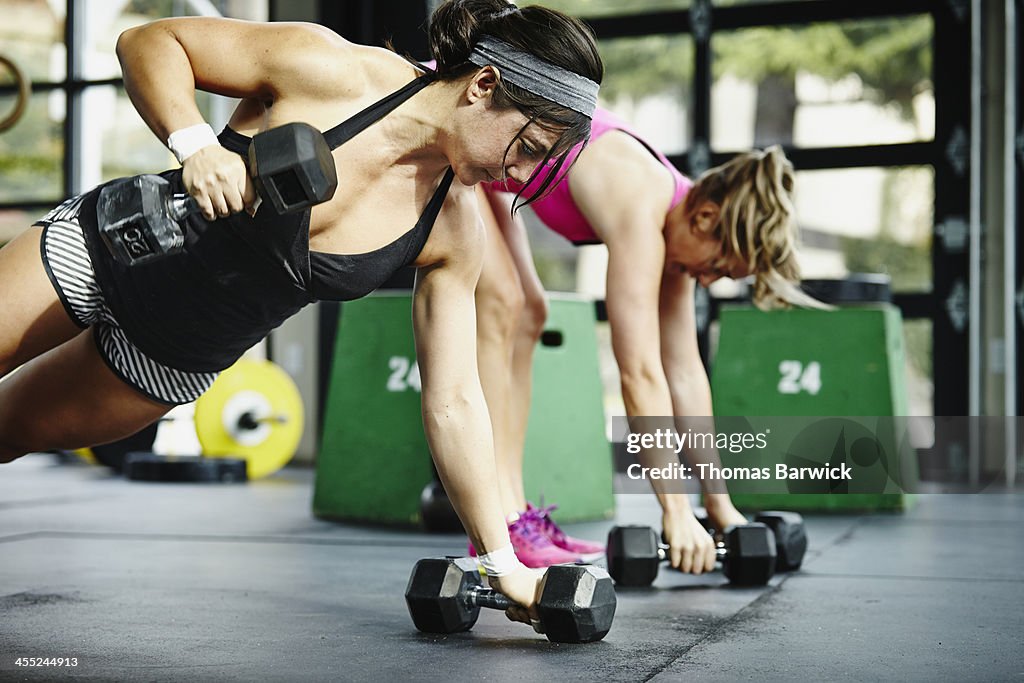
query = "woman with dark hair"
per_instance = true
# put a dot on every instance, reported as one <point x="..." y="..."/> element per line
<point x="665" y="234"/>
<point x="105" y="348"/>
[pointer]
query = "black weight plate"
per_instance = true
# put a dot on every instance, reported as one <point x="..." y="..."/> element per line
<point x="152" y="467"/>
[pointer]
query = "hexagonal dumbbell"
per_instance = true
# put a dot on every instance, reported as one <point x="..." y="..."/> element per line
<point x="291" y="167"/>
<point x="790" y="536"/>
<point x="577" y="602"/>
<point x="747" y="554"/>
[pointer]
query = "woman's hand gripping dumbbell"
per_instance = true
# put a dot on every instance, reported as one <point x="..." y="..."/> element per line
<point x="576" y="604"/>
<point x="290" y="166"/>
<point x="790" y="536"/>
<point x="747" y="554"/>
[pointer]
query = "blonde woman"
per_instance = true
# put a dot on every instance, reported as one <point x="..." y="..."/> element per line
<point x="665" y="234"/>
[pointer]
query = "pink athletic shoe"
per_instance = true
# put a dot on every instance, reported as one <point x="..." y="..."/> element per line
<point x="588" y="550"/>
<point x="532" y="545"/>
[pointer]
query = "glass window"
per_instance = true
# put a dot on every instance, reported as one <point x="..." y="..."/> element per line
<point x="599" y="8"/>
<point x="31" y="153"/>
<point x="823" y="85"/>
<point x="917" y="340"/>
<point x="867" y="220"/>
<point x="724" y="3"/>
<point x="119" y="142"/>
<point x="648" y="82"/>
<point x="122" y="144"/>
<point x="106" y="20"/>
<point x="32" y="35"/>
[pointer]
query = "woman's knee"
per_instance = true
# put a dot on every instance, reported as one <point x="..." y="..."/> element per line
<point x="534" y="317"/>
<point x="499" y="309"/>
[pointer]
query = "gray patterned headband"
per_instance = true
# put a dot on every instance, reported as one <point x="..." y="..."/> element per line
<point x="535" y="75"/>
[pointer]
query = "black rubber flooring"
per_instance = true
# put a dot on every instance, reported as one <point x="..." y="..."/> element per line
<point x="156" y="582"/>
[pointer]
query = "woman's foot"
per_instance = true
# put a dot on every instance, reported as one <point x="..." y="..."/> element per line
<point x="588" y="550"/>
<point x="532" y="545"/>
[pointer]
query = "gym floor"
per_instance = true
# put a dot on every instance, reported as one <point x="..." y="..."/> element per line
<point x="184" y="582"/>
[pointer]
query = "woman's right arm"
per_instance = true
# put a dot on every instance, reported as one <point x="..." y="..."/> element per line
<point x="164" y="62"/>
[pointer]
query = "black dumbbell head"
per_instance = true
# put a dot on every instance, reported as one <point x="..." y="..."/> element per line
<point x="790" y="538"/>
<point x="292" y="167"/>
<point x="577" y="603"/>
<point x="632" y="555"/>
<point x="436" y="594"/>
<point x="750" y="554"/>
<point x="133" y="220"/>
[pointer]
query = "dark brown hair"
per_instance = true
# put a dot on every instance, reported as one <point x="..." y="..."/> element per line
<point x="552" y="36"/>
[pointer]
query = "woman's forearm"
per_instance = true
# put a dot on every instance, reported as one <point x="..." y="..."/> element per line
<point x="649" y="408"/>
<point x="462" y="446"/>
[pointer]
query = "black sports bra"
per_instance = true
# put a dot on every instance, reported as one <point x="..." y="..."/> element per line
<point x="343" y="277"/>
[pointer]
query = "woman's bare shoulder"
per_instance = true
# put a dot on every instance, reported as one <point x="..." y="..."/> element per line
<point x="338" y="68"/>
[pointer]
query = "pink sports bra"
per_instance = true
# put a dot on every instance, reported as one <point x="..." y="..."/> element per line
<point x="558" y="210"/>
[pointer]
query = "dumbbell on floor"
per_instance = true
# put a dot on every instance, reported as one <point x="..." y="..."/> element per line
<point x="291" y="167"/>
<point x="790" y="536"/>
<point x="747" y="554"/>
<point x="577" y="602"/>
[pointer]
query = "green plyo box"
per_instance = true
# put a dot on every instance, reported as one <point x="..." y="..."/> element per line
<point x="843" y="363"/>
<point x="568" y="457"/>
<point x="374" y="460"/>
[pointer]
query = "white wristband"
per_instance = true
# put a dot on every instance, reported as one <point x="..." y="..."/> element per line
<point x="185" y="142"/>
<point x="500" y="562"/>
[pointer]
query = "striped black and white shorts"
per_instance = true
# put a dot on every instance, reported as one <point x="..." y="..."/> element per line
<point x="67" y="262"/>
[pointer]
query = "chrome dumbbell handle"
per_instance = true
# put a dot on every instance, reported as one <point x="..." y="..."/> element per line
<point x="182" y="205"/>
<point x="720" y="552"/>
<point x="488" y="597"/>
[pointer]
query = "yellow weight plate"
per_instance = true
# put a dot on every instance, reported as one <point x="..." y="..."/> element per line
<point x="87" y="455"/>
<point x="254" y="412"/>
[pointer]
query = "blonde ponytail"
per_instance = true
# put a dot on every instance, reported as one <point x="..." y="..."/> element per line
<point x="758" y="226"/>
